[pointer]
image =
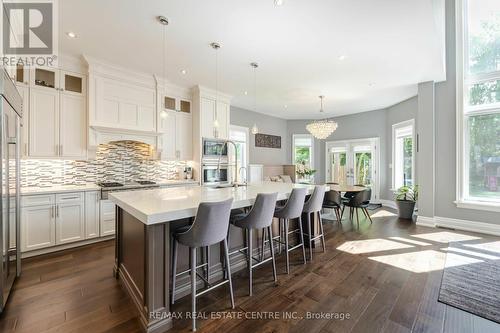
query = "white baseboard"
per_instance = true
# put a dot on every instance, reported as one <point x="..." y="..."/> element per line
<point x="426" y="221"/>
<point x="457" y="224"/>
<point x="388" y="203"/>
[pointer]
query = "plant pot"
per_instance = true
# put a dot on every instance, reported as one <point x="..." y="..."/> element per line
<point x="405" y="209"/>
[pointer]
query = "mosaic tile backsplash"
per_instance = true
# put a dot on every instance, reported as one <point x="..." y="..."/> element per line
<point x="122" y="161"/>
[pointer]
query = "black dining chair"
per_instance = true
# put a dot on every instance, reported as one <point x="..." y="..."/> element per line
<point x="360" y="200"/>
<point x="333" y="200"/>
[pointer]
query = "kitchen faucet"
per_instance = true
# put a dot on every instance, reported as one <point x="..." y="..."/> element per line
<point x="235" y="182"/>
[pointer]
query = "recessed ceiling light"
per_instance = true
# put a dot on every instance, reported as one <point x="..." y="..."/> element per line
<point x="342" y="57"/>
<point x="246" y="92"/>
<point x="278" y="2"/>
<point x="183" y="71"/>
<point x="71" y="34"/>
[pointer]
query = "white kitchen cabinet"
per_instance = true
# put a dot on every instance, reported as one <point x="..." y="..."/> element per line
<point x="92" y="214"/>
<point x="177" y="140"/>
<point x="70" y="218"/>
<point x="107" y="218"/>
<point x="184" y="136"/>
<point x="73" y="124"/>
<point x="209" y="114"/>
<point x="57" y="123"/>
<point x="37" y="227"/>
<point x="44" y="123"/>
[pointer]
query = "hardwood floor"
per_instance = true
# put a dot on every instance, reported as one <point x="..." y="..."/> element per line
<point x="384" y="277"/>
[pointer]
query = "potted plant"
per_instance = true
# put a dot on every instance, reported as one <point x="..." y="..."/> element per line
<point x="304" y="172"/>
<point x="406" y="197"/>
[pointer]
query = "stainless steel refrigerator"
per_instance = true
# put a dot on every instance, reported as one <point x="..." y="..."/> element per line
<point x="10" y="134"/>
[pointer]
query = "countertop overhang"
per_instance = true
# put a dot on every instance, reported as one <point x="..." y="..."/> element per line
<point x="169" y="204"/>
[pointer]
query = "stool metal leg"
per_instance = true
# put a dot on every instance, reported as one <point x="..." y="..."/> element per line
<point x="322" y="232"/>
<point x="286" y="247"/>
<point x="228" y="272"/>
<point x="302" y="239"/>
<point x="192" y="251"/>
<point x="249" y="256"/>
<point x="270" y="234"/>
<point x="310" y="236"/>
<point x="174" y="269"/>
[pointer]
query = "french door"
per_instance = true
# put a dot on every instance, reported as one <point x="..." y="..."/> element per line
<point x="354" y="162"/>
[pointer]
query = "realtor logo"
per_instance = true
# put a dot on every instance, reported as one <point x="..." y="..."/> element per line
<point x="29" y="32"/>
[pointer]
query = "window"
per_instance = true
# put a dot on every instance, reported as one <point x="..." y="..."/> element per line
<point x="478" y="101"/>
<point x="403" y="152"/>
<point x="239" y="135"/>
<point x="303" y="149"/>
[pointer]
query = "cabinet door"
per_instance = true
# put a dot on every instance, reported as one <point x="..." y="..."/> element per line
<point x="24" y="92"/>
<point x="43" y="123"/>
<point x="37" y="227"/>
<point x="223" y="119"/>
<point x="70" y="222"/>
<point x="73" y="125"/>
<point x="107" y="218"/>
<point x="207" y="118"/>
<point x="45" y="78"/>
<point x="168" y="139"/>
<point x="92" y="214"/>
<point x="184" y="136"/>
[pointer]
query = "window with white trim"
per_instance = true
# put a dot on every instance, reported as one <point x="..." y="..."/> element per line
<point x="403" y="152"/>
<point x="478" y="101"/>
<point x="303" y="148"/>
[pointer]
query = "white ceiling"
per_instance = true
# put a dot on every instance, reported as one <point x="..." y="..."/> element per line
<point x="389" y="46"/>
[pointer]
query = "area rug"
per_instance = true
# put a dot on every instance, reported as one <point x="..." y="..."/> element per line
<point x="471" y="279"/>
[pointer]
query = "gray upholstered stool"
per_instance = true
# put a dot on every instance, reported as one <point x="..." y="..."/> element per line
<point x="291" y="210"/>
<point x="313" y="207"/>
<point x="209" y="228"/>
<point x="259" y="217"/>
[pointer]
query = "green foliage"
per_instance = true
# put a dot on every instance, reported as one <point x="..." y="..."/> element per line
<point x="407" y="193"/>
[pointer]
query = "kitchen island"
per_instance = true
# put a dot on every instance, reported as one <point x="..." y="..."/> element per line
<point x="142" y="253"/>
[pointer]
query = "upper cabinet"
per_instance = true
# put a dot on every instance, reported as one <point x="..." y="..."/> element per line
<point x="212" y="114"/>
<point x="57" y="115"/>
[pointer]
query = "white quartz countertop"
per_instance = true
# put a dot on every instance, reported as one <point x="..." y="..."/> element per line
<point x="170" y="204"/>
<point x="33" y="190"/>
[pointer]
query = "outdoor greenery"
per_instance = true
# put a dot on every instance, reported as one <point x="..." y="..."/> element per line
<point x="484" y="130"/>
<point x="407" y="193"/>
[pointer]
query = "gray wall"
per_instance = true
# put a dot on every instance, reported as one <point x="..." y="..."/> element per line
<point x="266" y="125"/>
<point x="445" y="95"/>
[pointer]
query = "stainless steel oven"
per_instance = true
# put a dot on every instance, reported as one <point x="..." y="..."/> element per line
<point x="213" y="149"/>
<point x="214" y="175"/>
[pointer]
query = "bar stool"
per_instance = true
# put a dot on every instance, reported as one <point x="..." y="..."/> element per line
<point x="209" y="228"/>
<point x="259" y="217"/>
<point x="291" y="210"/>
<point x="313" y="207"/>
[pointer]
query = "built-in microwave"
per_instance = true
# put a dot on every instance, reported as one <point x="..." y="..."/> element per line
<point x="213" y="149"/>
<point x="215" y="175"/>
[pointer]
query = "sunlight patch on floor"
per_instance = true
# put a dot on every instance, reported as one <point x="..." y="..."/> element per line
<point x="471" y="253"/>
<point x="424" y="261"/>
<point x="371" y="245"/>
<point x="382" y="213"/>
<point x="491" y="246"/>
<point x="445" y="237"/>
<point x="411" y="241"/>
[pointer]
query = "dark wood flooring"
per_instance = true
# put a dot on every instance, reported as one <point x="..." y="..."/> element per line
<point x="385" y="277"/>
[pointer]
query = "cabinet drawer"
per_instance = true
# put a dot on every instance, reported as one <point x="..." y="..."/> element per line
<point x="75" y="197"/>
<point x="37" y="200"/>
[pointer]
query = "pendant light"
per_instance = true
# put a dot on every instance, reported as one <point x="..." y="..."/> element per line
<point x="322" y="129"/>
<point x="164" y="21"/>
<point x="255" y="129"/>
<point x="216" y="47"/>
